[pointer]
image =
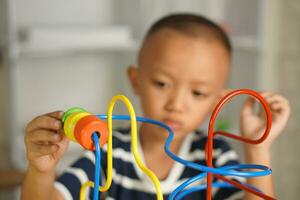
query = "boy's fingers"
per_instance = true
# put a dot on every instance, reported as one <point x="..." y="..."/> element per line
<point x="44" y="149"/>
<point x="277" y="106"/>
<point x="280" y="108"/>
<point x="277" y="98"/>
<point x="43" y="135"/>
<point x="271" y="96"/>
<point x="57" y="114"/>
<point x="277" y="102"/>
<point x="44" y="122"/>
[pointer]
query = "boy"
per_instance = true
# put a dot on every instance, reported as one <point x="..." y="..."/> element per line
<point x="183" y="68"/>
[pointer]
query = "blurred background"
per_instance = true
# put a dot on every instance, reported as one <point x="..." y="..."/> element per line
<point x="63" y="53"/>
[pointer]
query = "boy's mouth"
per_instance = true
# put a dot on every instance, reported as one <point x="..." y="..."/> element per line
<point x="173" y="124"/>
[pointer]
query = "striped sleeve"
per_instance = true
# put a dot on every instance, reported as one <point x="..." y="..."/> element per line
<point x="82" y="170"/>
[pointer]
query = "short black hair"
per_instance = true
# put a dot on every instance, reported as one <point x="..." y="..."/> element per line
<point x="192" y="25"/>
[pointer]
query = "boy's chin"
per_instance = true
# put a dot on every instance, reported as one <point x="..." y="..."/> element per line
<point x="179" y="135"/>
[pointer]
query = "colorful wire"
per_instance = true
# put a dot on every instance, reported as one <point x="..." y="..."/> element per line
<point x="227" y="171"/>
<point x="209" y="160"/>
<point x="207" y="171"/>
<point x="98" y="166"/>
<point x="97" y="176"/>
<point x="134" y="148"/>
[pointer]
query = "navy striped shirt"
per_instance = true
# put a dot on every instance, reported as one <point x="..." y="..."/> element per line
<point x="129" y="182"/>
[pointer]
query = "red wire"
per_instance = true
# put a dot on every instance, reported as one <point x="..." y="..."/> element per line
<point x="209" y="144"/>
<point x="241" y="186"/>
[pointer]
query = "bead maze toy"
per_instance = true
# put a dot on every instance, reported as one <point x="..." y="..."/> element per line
<point x="91" y="132"/>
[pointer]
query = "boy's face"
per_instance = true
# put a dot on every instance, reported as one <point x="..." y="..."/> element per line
<point x="179" y="79"/>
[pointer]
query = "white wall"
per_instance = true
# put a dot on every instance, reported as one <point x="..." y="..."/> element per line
<point x="43" y="81"/>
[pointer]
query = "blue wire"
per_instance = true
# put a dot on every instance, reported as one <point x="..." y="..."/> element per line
<point x="202" y="187"/>
<point x="97" y="167"/>
<point x="265" y="170"/>
<point x="178" y="192"/>
<point x="233" y="170"/>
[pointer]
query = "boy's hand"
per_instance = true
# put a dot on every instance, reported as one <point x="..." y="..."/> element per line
<point x="45" y="141"/>
<point x="253" y="124"/>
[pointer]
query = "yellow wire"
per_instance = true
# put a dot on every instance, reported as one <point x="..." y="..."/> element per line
<point x="134" y="150"/>
<point x="84" y="187"/>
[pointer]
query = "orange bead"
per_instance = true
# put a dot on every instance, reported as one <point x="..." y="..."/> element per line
<point x="86" y="127"/>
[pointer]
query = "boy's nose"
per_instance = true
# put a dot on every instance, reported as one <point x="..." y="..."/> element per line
<point x="175" y="102"/>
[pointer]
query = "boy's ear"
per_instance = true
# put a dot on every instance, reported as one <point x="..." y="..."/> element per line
<point x="132" y="73"/>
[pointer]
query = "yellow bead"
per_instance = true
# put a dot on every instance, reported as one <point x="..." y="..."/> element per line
<point x="70" y="124"/>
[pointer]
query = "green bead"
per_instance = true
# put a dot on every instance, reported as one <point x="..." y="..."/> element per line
<point x="70" y="111"/>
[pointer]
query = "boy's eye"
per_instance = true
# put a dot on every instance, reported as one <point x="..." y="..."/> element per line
<point x="197" y="93"/>
<point x="160" y="84"/>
